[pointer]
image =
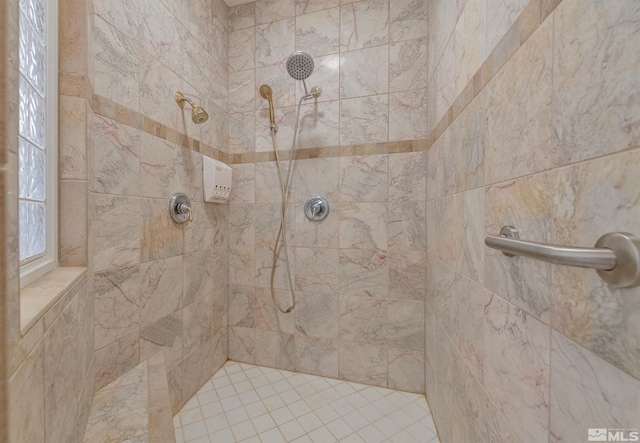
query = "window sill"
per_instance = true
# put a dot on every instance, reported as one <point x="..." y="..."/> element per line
<point x="37" y="298"/>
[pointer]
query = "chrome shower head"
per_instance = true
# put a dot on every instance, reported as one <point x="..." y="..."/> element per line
<point x="198" y="114"/>
<point x="300" y="65"/>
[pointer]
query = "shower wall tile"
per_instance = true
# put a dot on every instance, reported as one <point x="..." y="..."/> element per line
<point x="242" y="91"/>
<point x="208" y="229"/>
<point x="320" y="126"/>
<point x="405" y="226"/>
<point x="198" y="279"/>
<point x="607" y="396"/>
<point x="267" y="315"/>
<point x="242" y="344"/>
<point x="363" y="178"/>
<point x="516" y="367"/>
<point x="364" y="120"/>
<point x="241" y="133"/>
<point x="163" y="282"/>
<point x="242" y="262"/>
<point x="408" y="65"/>
<point x="26" y="414"/>
<point x="315" y="355"/>
<point x="503" y="14"/>
<point x="242" y="16"/>
<point x="363" y="272"/>
<point x="268" y="11"/>
<point x="315" y="270"/>
<point x="73" y="138"/>
<point x="318" y="33"/>
<point x="363" y="225"/>
<point x="583" y="193"/>
<point x="408" y="20"/>
<point x="363" y="320"/>
<point x="364" y="24"/>
<point x="116" y="65"/>
<point x="315" y="177"/>
<point x="275" y="349"/>
<point x="244" y="184"/>
<point x="407" y="178"/>
<point x="242" y="302"/>
<point x="117" y="298"/>
<point x="317" y="315"/>
<point x="406" y="369"/>
<point x="310" y="234"/>
<point x="161" y="237"/>
<point x="162" y="35"/>
<point x="275" y="42"/>
<point x="407" y="275"/>
<point x="166" y="336"/>
<point x="326" y="74"/>
<point x="116" y="231"/>
<point x="284" y="93"/>
<point x="363" y="363"/>
<point x="158" y="84"/>
<point x="242" y="50"/>
<point x="242" y="224"/>
<point x="364" y="72"/>
<point x="406" y="121"/>
<point x="284" y="120"/>
<point x="116" y="157"/>
<point x="599" y="119"/>
<point x="406" y="324"/>
<point x="520" y="143"/>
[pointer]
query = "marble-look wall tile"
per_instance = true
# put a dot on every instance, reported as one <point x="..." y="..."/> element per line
<point x="527" y="204"/>
<point x="72" y="234"/>
<point x="122" y="15"/>
<point x="242" y="221"/>
<point x="242" y="91"/>
<point x="364" y="120"/>
<point x="459" y="228"/>
<point x="315" y="270"/>
<point x="116" y="65"/>
<point x="319" y="125"/>
<point x="317" y="315"/>
<point x="242" y="302"/>
<point x="405" y="226"/>
<point x="312" y="234"/>
<point x="318" y="33"/>
<point x="271" y="10"/>
<point x="25" y="389"/>
<point x="607" y="397"/>
<point x="364" y="72"/>
<point x="117" y="303"/>
<point x="166" y="168"/>
<point x="363" y="272"/>
<point x="407" y="121"/>
<point x="241" y="344"/>
<point x="73" y="138"/>
<point x="408" y="65"/>
<point x="275" y="350"/>
<point x="363" y="320"/>
<point x="197" y="325"/>
<point x="198" y="276"/>
<point x="243" y="189"/>
<point x="503" y="14"/>
<point x="315" y="355"/>
<point x="517" y="367"/>
<point x="267" y="315"/>
<point x="116" y="157"/>
<point x="242" y="50"/>
<point x="364" y="24"/>
<point x="408" y="19"/>
<point x="208" y="229"/>
<point x="470" y="42"/>
<point x="406" y="370"/>
<point x="326" y="74"/>
<point x="363" y="225"/>
<point x="158" y="84"/>
<point x="166" y="336"/>
<point x="284" y="94"/>
<point x="407" y="178"/>
<point x="315" y="177"/>
<point x="363" y="178"/>
<point x="406" y="324"/>
<point x="264" y="262"/>
<point x="241" y="133"/>
<point x="115" y="232"/>
<point x="161" y="34"/>
<point x="593" y="198"/>
<point x="161" y="237"/>
<point x="242" y="264"/>
<point x="363" y="363"/>
<point x="594" y="77"/>
<point x="162" y="280"/>
<point x="275" y="41"/>
<point x="407" y="275"/>
<point x="519" y="143"/>
<point x="242" y="16"/>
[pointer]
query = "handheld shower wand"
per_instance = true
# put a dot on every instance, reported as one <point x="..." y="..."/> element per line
<point x="267" y="94"/>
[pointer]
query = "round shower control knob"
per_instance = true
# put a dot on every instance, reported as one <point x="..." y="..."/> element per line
<point x="316" y="209"/>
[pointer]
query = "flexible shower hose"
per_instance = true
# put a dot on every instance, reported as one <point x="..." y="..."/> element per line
<point x="282" y="230"/>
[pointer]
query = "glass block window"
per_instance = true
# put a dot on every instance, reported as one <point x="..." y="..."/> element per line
<point x="36" y="131"/>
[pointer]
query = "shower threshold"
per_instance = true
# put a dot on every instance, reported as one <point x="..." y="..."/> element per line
<point x="248" y="403"/>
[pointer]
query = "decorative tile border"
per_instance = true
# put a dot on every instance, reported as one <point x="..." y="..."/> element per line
<point x="525" y="25"/>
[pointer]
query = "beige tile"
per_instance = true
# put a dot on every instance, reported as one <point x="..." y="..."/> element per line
<point x="406" y="370"/>
<point x="363" y="363"/>
<point x="26" y="392"/>
<point x="73" y="138"/>
<point x="363" y="320"/>
<point x="363" y="272"/>
<point x="274" y="349"/>
<point x="161" y="237"/>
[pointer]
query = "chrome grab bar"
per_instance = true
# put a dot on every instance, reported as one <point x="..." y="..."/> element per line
<point x="616" y="255"/>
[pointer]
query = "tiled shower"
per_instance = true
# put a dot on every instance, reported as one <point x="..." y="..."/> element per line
<point x="439" y="123"/>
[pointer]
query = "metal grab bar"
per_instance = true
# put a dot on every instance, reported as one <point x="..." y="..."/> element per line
<point x="616" y="255"/>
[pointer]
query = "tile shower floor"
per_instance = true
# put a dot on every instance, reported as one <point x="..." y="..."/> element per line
<point x="247" y="403"/>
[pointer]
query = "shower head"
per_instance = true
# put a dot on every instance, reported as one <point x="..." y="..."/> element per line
<point x="267" y="94"/>
<point x="198" y="114"/>
<point x="300" y="65"/>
